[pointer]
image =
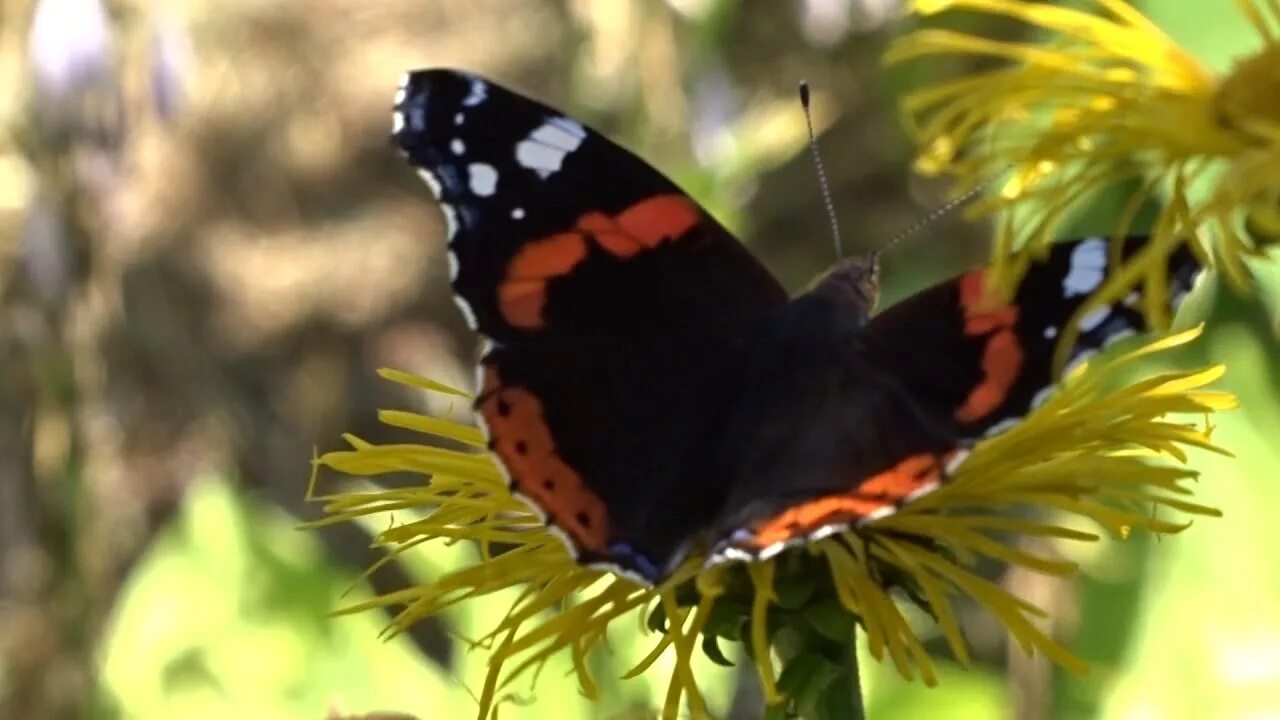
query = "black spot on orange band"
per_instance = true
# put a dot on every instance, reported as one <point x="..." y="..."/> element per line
<point x="521" y="439"/>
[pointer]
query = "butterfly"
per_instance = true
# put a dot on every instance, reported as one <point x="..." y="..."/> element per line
<point x="653" y="391"/>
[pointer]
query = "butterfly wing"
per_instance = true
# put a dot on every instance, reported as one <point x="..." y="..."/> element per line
<point x="981" y="369"/>
<point x="933" y="374"/>
<point x="556" y="233"/>
<point x="613" y="301"/>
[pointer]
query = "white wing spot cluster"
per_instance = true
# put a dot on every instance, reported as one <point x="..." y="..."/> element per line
<point x="483" y="179"/>
<point x="397" y="117"/>
<point x="545" y="149"/>
<point x="1088" y="268"/>
<point x="479" y="91"/>
<point x="457" y="146"/>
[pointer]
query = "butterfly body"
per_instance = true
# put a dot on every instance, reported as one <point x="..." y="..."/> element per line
<point x="651" y="388"/>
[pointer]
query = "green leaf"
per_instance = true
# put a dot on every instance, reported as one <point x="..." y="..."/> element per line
<point x="711" y="648"/>
<point x="804" y="678"/>
<point x="831" y="620"/>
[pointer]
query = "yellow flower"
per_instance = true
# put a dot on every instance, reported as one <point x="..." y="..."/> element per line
<point x="1101" y="99"/>
<point x="1084" y="453"/>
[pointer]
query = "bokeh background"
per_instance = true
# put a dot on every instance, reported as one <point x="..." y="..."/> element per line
<point x="207" y="246"/>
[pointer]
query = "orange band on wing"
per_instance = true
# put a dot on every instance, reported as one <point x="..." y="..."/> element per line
<point x="1001" y="356"/>
<point x="526" y="447"/>
<point x="664" y="217"/>
<point x="887" y="489"/>
<point x="523" y="292"/>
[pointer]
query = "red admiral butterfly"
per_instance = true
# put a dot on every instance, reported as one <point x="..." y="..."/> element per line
<point x="650" y="387"/>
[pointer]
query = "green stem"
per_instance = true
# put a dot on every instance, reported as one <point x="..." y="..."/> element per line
<point x="819" y="677"/>
<point x="842" y="698"/>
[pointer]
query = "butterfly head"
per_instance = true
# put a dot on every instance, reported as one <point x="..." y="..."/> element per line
<point x="853" y="283"/>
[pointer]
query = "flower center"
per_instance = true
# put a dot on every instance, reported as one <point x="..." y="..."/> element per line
<point x="1247" y="101"/>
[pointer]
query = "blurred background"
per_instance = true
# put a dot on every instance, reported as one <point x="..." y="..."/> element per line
<point x="207" y="246"/>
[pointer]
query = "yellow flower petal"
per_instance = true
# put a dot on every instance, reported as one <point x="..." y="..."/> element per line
<point x="1085" y="453"/>
<point x="1104" y="100"/>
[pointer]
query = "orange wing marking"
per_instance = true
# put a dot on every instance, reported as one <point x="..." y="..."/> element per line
<point x="643" y="226"/>
<point x="525" y="445"/>
<point x="1001" y="357"/>
<point x="524" y="291"/>
<point x="884" y="490"/>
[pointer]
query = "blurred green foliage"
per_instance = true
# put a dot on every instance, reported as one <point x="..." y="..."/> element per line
<point x="227" y="615"/>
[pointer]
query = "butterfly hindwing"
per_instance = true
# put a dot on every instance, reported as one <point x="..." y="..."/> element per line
<point x="937" y="372"/>
<point x="981" y="367"/>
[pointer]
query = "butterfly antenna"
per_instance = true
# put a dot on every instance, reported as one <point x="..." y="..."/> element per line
<point x="822" y="175"/>
<point x="928" y="219"/>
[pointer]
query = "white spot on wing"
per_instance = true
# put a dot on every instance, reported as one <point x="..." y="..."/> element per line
<point x="417" y="119"/>
<point x="1081" y="358"/>
<point x="450" y="221"/>
<point x="458" y="118"/>
<point x="826" y="531"/>
<point x="1002" y="426"/>
<point x="479" y="91"/>
<point x="956" y="460"/>
<point x="924" y="489"/>
<point x="402" y="90"/>
<point x="1050" y="332"/>
<point x="1118" y="335"/>
<point x="1042" y="396"/>
<point x="729" y="553"/>
<point x="1094" y="318"/>
<point x="457" y="146"/>
<point x="876" y="514"/>
<point x="517" y="213"/>
<point x="1088" y="268"/>
<point x="545" y="149"/>
<point x="631" y="575"/>
<point x="431" y="181"/>
<point x="465" y="308"/>
<point x="483" y="179"/>
<point x="453" y="265"/>
<point x="771" y="550"/>
<point x="560" y="535"/>
<point x="397" y="122"/>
